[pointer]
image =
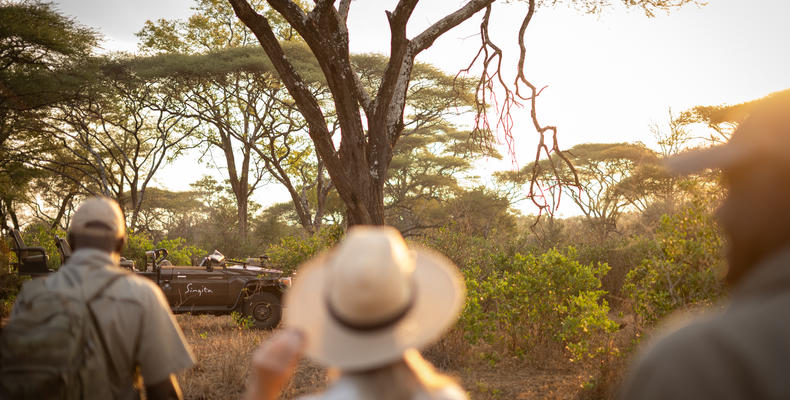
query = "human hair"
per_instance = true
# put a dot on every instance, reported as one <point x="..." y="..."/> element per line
<point x="401" y="380"/>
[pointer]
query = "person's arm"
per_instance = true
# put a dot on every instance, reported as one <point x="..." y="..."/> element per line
<point x="168" y="389"/>
<point x="273" y="364"/>
<point x="162" y="350"/>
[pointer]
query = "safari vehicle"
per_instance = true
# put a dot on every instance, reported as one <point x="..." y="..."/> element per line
<point x="220" y="286"/>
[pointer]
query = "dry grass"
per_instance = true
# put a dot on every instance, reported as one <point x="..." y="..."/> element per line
<point x="223" y="353"/>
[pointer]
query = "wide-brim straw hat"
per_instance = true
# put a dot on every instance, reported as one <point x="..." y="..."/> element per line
<point x="364" y="303"/>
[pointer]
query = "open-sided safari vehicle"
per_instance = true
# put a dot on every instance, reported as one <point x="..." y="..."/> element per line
<point x="30" y="260"/>
<point x="220" y="286"/>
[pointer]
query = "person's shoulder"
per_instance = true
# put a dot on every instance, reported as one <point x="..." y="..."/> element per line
<point x="133" y="286"/>
<point x="682" y="361"/>
<point x="687" y="341"/>
<point x="136" y="282"/>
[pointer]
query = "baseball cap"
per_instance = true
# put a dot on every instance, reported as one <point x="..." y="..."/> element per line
<point x="765" y="133"/>
<point x="98" y="216"/>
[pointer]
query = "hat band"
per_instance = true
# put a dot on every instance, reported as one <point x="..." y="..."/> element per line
<point x="367" y="327"/>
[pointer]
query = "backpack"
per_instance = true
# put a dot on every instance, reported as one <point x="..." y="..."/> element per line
<point x="52" y="347"/>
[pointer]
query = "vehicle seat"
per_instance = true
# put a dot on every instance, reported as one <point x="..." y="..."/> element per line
<point x="31" y="260"/>
<point x="128" y="264"/>
<point x="63" y="248"/>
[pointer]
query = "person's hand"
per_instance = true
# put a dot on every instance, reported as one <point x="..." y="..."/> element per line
<point x="273" y="363"/>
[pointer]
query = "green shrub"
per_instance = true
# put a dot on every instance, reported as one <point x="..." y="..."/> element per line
<point x="244" y="322"/>
<point x="180" y="253"/>
<point x="10" y="282"/>
<point x="621" y="254"/>
<point x="684" y="272"/>
<point x="136" y="246"/>
<point x="293" y="250"/>
<point x="531" y="301"/>
<point x="465" y="250"/>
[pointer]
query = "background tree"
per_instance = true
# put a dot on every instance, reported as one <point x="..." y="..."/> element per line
<point x="358" y="166"/>
<point x="41" y="54"/>
<point x="596" y="183"/>
<point x="113" y="139"/>
<point x="251" y="116"/>
<point x="722" y="120"/>
<point x="427" y="177"/>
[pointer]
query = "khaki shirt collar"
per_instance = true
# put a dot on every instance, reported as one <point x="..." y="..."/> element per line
<point x="91" y="258"/>
<point x="86" y="268"/>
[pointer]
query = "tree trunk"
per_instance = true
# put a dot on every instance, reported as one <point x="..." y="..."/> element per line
<point x="12" y="214"/>
<point x="62" y="210"/>
<point x="239" y="183"/>
<point x="242" y="202"/>
<point x="358" y="167"/>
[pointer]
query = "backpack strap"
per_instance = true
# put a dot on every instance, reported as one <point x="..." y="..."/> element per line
<point x="99" y="332"/>
<point x="100" y="290"/>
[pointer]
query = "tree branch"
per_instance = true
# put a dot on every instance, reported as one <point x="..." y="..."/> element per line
<point x="427" y="37"/>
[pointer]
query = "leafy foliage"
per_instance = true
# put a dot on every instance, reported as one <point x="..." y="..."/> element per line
<point x="294" y="250"/>
<point x="10" y="282"/>
<point x="534" y="301"/>
<point x="686" y="270"/>
<point x="136" y="246"/>
<point x="243" y="322"/>
<point x="179" y="252"/>
<point x="602" y="182"/>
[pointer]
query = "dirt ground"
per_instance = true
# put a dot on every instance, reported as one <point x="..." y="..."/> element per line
<point x="223" y="352"/>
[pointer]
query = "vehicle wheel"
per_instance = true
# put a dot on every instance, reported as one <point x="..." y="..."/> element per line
<point x="264" y="308"/>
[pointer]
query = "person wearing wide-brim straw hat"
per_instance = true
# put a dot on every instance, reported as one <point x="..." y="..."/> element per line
<point x="365" y="308"/>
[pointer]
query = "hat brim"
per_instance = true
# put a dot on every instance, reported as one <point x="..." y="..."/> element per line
<point x="437" y="303"/>
<point x="717" y="157"/>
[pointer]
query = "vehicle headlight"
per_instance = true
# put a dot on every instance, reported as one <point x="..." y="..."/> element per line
<point x="285" y="281"/>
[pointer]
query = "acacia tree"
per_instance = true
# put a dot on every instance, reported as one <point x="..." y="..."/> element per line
<point x="424" y="161"/>
<point x="111" y="141"/>
<point x="600" y="170"/>
<point x="249" y="116"/>
<point x="723" y="119"/>
<point x="41" y="53"/>
<point x="358" y="165"/>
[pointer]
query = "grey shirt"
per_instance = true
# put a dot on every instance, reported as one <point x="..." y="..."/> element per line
<point x="134" y="319"/>
<point x="740" y="353"/>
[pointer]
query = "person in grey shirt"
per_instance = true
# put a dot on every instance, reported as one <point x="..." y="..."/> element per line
<point x="364" y="309"/>
<point x="743" y="351"/>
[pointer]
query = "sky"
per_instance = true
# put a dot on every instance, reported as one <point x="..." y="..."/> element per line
<point x="608" y="77"/>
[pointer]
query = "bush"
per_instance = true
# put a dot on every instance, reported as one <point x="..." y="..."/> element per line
<point x="465" y="250"/>
<point x="684" y="272"/>
<point x="10" y="282"/>
<point x="179" y="252"/>
<point x="292" y="250"/>
<point x="535" y="301"/>
<point x="136" y="246"/>
<point x="621" y="254"/>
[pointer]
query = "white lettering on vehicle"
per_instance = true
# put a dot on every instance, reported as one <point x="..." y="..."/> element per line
<point x="199" y="292"/>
